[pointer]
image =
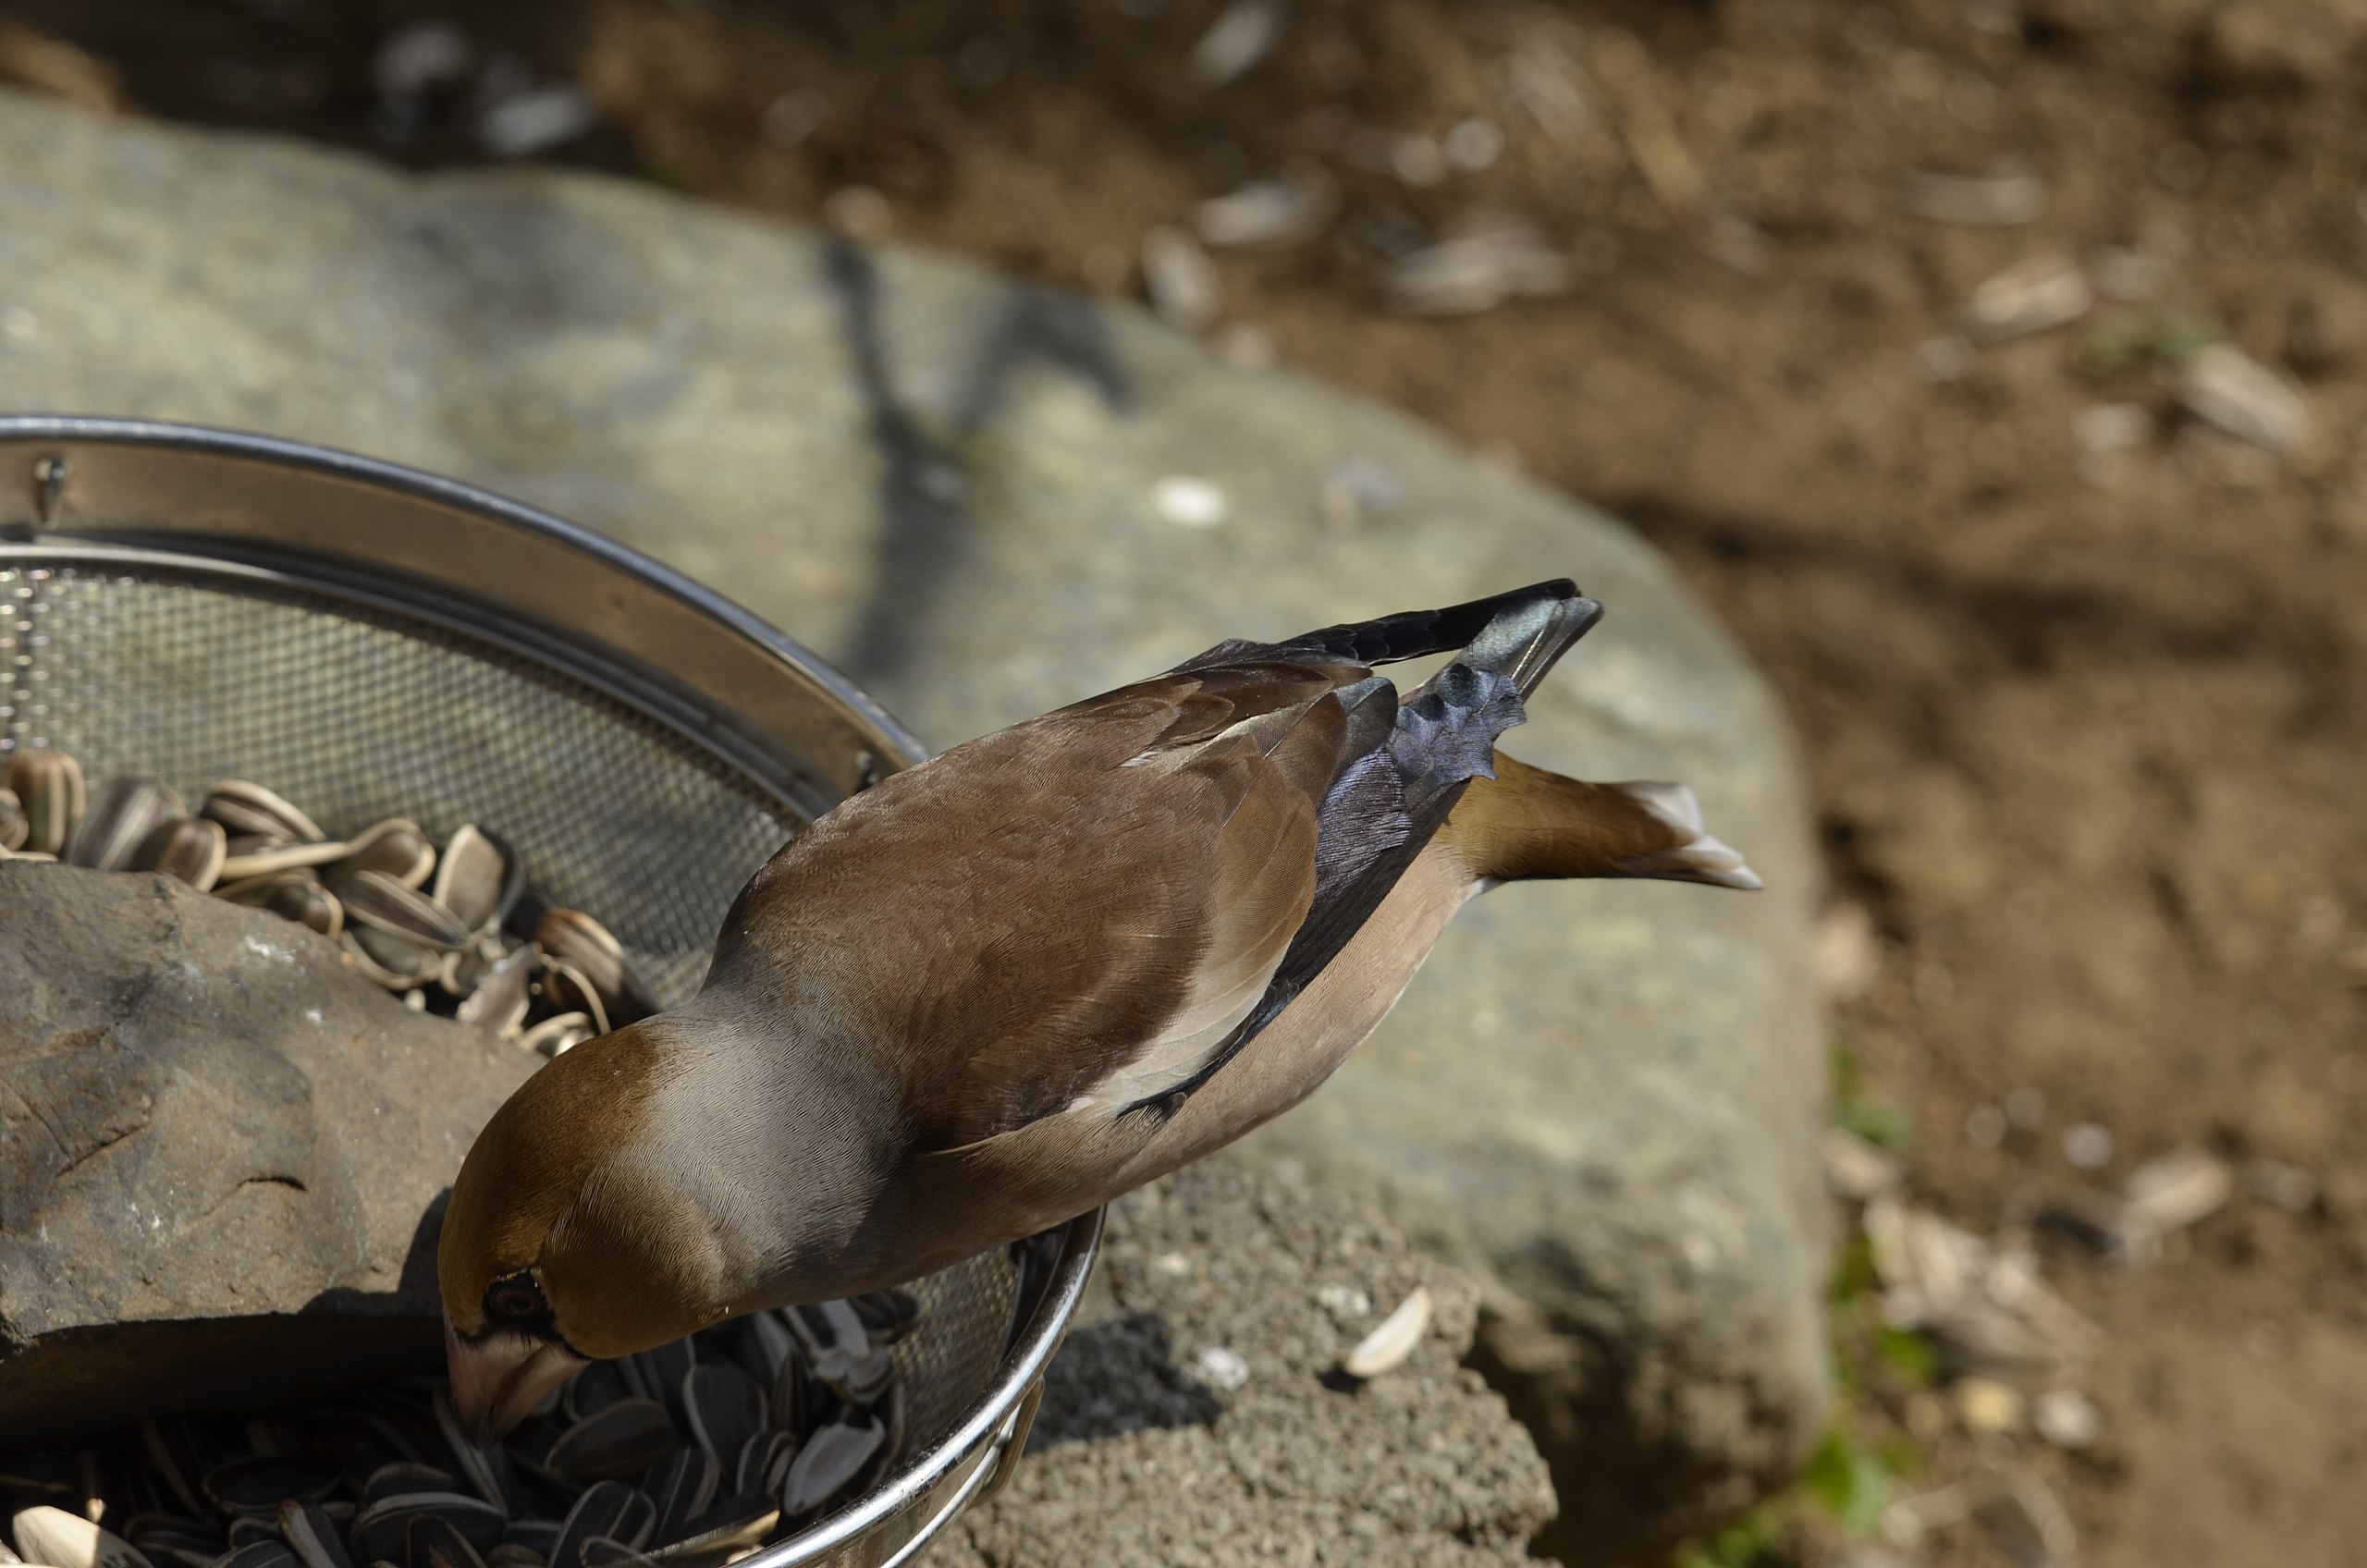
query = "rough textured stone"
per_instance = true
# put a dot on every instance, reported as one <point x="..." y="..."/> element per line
<point x="1140" y="1453"/>
<point x="221" y="1155"/>
<point x="1601" y="1098"/>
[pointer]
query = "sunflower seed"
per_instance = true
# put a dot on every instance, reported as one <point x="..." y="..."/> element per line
<point x="765" y="1453"/>
<point x="268" y="1553"/>
<point x="152" y="1533"/>
<point x="1388" y="1345"/>
<point x="566" y="987"/>
<point x="244" y="808"/>
<point x="1269" y="212"/>
<point x="1475" y="271"/>
<point x="557" y="1034"/>
<point x="394" y="847"/>
<point x="293" y="896"/>
<point x="248" y="1528"/>
<point x="723" y="1531"/>
<point x="48" y="786"/>
<point x="382" y="1530"/>
<point x="59" y="1539"/>
<point x="593" y="1389"/>
<point x="258" y="1483"/>
<point x="313" y="1535"/>
<point x="172" y="1450"/>
<point x="473" y="878"/>
<point x="620" y="1441"/>
<point x="683" y="1484"/>
<point x="256" y="858"/>
<point x="2226" y="387"/>
<point x="723" y="1407"/>
<point x="14" y="829"/>
<point x="406" y="1475"/>
<point x="509" y="1554"/>
<point x="389" y="960"/>
<point x="830" y="1458"/>
<point x="2031" y="295"/>
<point x="571" y="937"/>
<point x="1243" y="33"/>
<point x="602" y="1552"/>
<point x="474" y="1467"/>
<point x="1180" y="280"/>
<point x="187" y="847"/>
<point x="431" y="1542"/>
<point x="499" y="1001"/>
<point x="121" y="813"/>
<point x="889" y="1316"/>
<point x="376" y="899"/>
<point x="606" y="1508"/>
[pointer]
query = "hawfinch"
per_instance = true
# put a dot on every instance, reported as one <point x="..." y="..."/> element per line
<point x="1026" y="977"/>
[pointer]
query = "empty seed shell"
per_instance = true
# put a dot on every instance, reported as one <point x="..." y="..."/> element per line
<point x="382" y="1532"/>
<point x="382" y="902"/>
<point x="567" y="989"/>
<point x="312" y="1534"/>
<point x="682" y="1485"/>
<point x="472" y="877"/>
<point x="406" y="1475"/>
<point x="59" y="1539"/>
<point x="831" y="1458"/>
<point x="476" y="1468"/>
<point x="433" y="1542"/>
<point x="188" y="848"/>
<point x="14" y="829"/>
<point x="556" y="1036"/>
<point x="766" y="1452"/>
<point x="582" y="943"/>
<point x="608" y="1509"/>
<point x="386" y="959"/>
<point x="593" y="1389"/>
<point x="121" y="813"/>
<point x="250" y="809"/>
<point x="256" y="858"/>
<point x="267" y="1552"/>
<point x="724" y="1531"/>
<point x="724" y="1407"/>
<point x="296" y="896"/>
<point x="394" y="847"/>
<point x="499" y="999"/>
<point x="48" y="786"/>
<point x="617" y="1442"/>
<point x="887" y="1315"/>
<point x="1388" y="1345"/>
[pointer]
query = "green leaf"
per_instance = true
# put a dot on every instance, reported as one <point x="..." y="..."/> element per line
<point x="1908" y="1356"/>
<point x="1882" y="1124"/>
<point x="1849" y="1481"/>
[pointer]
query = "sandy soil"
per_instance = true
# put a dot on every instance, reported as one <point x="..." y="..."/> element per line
<point x="2089" y="723"/>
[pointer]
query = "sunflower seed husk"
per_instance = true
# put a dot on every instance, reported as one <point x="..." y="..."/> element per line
<point x="258" y="1483"/>
<point x="14" y="829"/>
<point x="501" y="1000"/>
<point x="271" y="1552"/>
<point x="48" y="786"/>
<point x="244" y="808"/>
<point x="559" y="1035"/>
<point x="600" y="1551"/>
<point x="566" y="987"/>
<point x="121" y="813"/>
<point x="59" y="1539"/>
<point x="259" y="858"/>
<point x="723" y="1531"/>
<point x="382" y="902"/>
<point x="606" y="1508"/>
<point x="386" y="959"/>
<point x="1388" y="1345"/>
<point x="152" y="1533"/>
<point x="473" y="877"/>
<point x="683" y="1484"/>
<point x="593" y="1389"/>
<point x="298" y="897"/>
<point x="312" y="1534"/>
<point x="2226" y="387"/>
<point x="404" y="1477"/>
<point x="434" y="1542"/>
<point x="762" y="1453"/>
<point x="382" y="1531"/>
<point x="2032" y="295"/>
<point x="188" y="848"/>
<point x="172" y="1452"/>
<point x="831" y="1458"/>
<point x="889" y="1316"/>
<point x="618" y="1442"/>
<point x="509" y="1554"/>
<point x="724" y="1407"/>
<point x="585" y="945"/>
<point x="394" y="847"/>
<point x="474" y="1467"/>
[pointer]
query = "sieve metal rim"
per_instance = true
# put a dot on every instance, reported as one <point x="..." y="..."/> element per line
<point x="43" y="524"/>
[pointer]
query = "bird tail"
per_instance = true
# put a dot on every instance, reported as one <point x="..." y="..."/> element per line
<point x="1527" y="823"/>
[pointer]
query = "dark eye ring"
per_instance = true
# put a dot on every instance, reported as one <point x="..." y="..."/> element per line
<point x="514" y="1298"/>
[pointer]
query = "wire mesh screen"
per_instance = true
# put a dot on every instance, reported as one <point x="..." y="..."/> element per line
<point x="357" y="717"/>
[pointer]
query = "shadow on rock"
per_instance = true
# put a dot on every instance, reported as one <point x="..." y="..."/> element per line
<point x="1119" y="1377"/>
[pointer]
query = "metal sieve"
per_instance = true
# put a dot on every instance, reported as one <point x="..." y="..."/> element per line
<point x="192" y="603"/>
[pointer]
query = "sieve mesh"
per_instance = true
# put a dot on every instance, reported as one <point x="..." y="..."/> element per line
<point x="358" y="716"/>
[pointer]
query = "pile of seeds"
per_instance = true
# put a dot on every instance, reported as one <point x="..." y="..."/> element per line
<point x="692" y="1453"/>
<point x="446" y="927"/>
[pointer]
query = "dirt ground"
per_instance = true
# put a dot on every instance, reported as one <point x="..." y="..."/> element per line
<point x="2084" y="695"/>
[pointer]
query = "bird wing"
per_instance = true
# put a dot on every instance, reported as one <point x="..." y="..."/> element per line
<point x="1157" y="871"/>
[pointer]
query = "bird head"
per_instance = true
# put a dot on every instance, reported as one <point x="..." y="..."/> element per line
<point x="566" y="1238"/>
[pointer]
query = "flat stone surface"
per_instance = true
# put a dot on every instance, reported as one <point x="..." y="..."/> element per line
<point x="1601" y="1098"/>
<point x="222" y="1155"/>
<point x="1143" y="1454"/>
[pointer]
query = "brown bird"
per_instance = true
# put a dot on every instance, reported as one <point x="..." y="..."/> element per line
<point x="1026" y="977"/>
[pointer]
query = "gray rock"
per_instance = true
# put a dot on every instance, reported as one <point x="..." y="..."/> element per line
<point x="1142" y="1453"/>
<point x="1603" y="1099"/>
<point x="223" y="1154"/>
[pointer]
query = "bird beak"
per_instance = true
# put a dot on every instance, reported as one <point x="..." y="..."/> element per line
<point x="498" y="1381"/>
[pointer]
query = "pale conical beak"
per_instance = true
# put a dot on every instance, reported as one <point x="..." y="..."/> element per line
<point x="498" y="1381"/>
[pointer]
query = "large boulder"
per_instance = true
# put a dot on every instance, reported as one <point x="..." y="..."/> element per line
<point x="1198" y="1415"/>
<point x="223" y="1154"/>
<point x="1601" y="1099"/>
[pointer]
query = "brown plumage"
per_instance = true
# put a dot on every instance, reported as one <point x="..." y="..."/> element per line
<point x="1008" y="985"/>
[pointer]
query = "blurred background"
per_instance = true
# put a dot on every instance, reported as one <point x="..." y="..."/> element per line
<point x="1995" y="367"/>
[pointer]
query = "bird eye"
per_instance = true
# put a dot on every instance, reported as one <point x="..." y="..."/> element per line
<point x="515" y="1298"/>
